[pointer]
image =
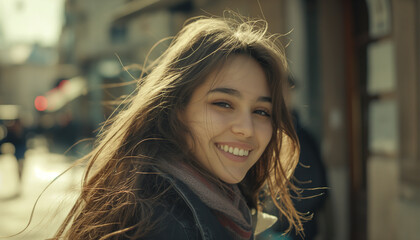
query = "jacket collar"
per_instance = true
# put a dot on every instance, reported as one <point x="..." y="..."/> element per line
<point x="207" y="223"/>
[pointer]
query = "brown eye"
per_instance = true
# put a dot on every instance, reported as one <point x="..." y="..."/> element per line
<point x="222" y="104"/>
<point x="262" y="113"/>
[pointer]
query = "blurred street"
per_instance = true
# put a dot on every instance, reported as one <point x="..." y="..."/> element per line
<point x="39" y="169"/>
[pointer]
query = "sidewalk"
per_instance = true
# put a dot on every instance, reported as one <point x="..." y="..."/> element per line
<point x="39" y="169"/>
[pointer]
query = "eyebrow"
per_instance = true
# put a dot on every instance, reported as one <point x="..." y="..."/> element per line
<point x="236" y="93"/>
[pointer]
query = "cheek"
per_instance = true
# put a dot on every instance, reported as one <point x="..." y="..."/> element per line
<point x="264" y="133"/>
<point x="203" y="125"/>
<point x="213" y="122"/>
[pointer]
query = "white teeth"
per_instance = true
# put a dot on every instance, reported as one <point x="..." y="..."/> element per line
<point x="235" y="151"/>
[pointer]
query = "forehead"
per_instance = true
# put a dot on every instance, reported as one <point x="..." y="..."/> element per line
<point x="242" y="73"/>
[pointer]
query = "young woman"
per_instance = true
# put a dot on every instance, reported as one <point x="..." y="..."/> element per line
<point x="187" y="156"/>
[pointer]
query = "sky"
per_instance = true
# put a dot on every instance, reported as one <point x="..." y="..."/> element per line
<point x="30" y="21"/>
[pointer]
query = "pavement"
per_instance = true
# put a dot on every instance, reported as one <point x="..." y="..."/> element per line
<point x="20" y="198"/>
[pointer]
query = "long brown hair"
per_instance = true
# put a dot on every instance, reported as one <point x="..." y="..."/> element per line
<point x="147" y="129"/>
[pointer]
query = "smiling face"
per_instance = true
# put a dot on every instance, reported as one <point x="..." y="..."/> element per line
<point x="229" y="118"/>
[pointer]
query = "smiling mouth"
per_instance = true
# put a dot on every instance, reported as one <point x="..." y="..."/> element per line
<point x="234" y="150"/>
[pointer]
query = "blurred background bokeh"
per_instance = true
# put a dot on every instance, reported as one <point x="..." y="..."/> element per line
<point x="355" y="64"/>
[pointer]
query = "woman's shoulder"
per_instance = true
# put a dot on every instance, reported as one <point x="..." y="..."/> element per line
<point x="174" y="222"/>
<point x="180" y="214"/>
<point x="172" y="216"/>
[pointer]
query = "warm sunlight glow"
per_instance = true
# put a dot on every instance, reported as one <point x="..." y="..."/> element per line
<point x="31" y="21"/>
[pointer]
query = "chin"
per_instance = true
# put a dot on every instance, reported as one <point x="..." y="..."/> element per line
<point x="231" y="180"/>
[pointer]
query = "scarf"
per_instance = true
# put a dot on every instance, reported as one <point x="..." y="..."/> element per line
<point x="230" y="209"/>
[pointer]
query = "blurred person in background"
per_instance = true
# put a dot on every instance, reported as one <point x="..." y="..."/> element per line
<point x="14" y="138"/>
<point x="187" y="155"/>
<point x="9" y="172"/>
<point x="309" y="176"/>
<point x="15" y="135"/>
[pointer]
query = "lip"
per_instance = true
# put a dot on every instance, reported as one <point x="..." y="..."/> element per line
<point x="232" y="157"/>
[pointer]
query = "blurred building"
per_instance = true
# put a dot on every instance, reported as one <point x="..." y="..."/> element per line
<point x="93" y="41"/>
<point x="29" y="68"/>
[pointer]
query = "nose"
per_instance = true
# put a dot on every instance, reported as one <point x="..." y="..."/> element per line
<point x="243" y="125"/>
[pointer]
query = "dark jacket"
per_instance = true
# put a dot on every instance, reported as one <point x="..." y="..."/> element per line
<point x="309" y="175"/>
<point x="186" y="217"/>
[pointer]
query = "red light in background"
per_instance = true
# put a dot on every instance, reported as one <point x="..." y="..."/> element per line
<point x="41" y="103"/>
<point x="62" y="83"/>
